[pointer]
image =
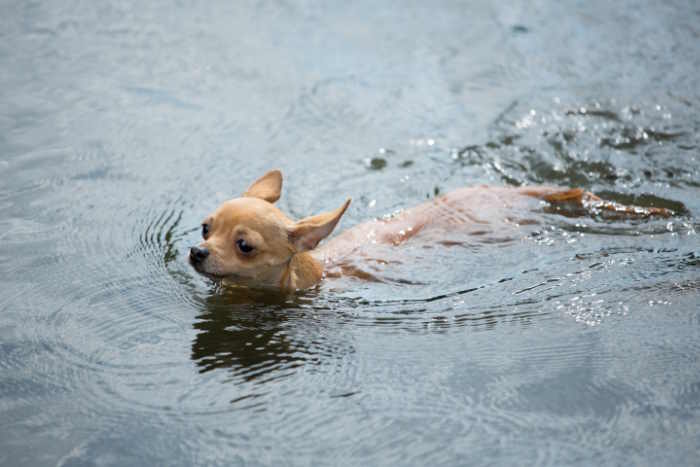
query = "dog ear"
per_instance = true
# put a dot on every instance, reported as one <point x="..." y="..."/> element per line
<point x="306" y="233"/>
<point x="267" y="187"/>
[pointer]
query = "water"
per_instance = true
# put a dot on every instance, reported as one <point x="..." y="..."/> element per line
<point x="122" y="124"/>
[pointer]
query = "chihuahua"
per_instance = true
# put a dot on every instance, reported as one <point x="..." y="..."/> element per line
<point x="248" y="241"/>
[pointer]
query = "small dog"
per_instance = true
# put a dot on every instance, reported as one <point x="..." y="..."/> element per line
<point x="248" y="241"/>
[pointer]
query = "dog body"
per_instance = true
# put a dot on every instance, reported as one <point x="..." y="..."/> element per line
<point x="249" y="241"/>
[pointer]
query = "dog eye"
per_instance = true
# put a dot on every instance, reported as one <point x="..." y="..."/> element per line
<point x="243" y="247"/>
<point x="205" y="231"/>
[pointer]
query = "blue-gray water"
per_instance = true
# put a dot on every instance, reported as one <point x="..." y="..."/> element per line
<point x="123" y="123"/>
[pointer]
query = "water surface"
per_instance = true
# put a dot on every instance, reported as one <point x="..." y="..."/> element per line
<point x="122" y="124"/>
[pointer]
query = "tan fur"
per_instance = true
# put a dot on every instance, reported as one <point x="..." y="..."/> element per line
<point x="280" y="255"/>
<point x="284" y="253"/>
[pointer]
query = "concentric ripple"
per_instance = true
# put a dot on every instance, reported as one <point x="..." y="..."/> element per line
<point x="570" y="339"/>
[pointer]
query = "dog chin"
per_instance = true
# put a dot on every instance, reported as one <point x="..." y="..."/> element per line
<point x="229" y="278"/>
<point x="203" y="271"/>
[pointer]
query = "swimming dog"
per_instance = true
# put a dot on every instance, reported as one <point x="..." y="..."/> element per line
<point x="249" y="241"/>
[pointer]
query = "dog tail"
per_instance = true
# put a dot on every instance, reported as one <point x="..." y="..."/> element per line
<point x="579" y="198"/>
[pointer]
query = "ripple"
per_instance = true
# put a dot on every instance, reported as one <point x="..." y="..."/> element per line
<point x="575" y="343"/>
<point x="115" y="324"/>
<point x="554" y="146"/>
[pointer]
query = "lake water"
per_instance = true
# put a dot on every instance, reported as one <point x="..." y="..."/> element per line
<point x="122" y="124"/>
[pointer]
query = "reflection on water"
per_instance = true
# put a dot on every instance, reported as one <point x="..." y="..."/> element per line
<point x="570" y="339"/>
<point x="244" y="330"/>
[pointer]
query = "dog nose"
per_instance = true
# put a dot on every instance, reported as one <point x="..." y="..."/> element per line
<point x="197" y="254"/>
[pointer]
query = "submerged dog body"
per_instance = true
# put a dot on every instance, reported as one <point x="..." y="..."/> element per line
<point x="249" y="241"/>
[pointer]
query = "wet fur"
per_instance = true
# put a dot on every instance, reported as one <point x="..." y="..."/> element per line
<point x="285" y="253"/>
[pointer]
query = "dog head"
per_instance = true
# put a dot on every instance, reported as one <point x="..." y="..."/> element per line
<point x="249" y="241"/>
